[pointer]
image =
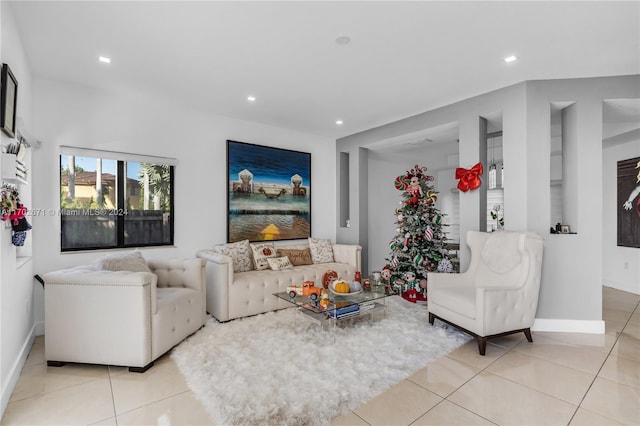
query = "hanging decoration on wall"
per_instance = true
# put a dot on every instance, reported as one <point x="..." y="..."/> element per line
<point x="629" y="203"/>
<point x="469" y="179"/>
<point x="14" y="211"/>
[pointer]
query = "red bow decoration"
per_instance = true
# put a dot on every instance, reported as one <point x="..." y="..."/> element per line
<point x="469" y="179"/>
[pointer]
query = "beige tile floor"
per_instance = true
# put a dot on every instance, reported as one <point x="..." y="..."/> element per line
<point x="559" y="379"/>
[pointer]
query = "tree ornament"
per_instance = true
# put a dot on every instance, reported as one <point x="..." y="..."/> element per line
<point x="431" y="197"/>
<point x="445" y="265"/>
<point x="417" y="260"/>
<point x="428" y="233"/>
<point x="402" y="182"/>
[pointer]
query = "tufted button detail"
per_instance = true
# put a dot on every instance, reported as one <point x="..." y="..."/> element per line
<point x="188" y="319"/>
<point x="173" y="329"/>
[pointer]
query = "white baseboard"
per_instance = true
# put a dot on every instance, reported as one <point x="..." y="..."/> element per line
<point x="568" y="326"/>
<point x="39" y="328"/>
<point x="16" y="369"/>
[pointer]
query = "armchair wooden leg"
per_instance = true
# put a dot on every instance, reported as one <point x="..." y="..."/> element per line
<point x="527" y="333"/>
<point x="141" y="369"/>
<point x="482" y="344"/>
<point x="431" y="318"/>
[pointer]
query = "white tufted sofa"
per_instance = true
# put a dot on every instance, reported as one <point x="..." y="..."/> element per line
<point x="122" y="318"/>
<point x="498" y="294"/>
<point x="233" y="295"/>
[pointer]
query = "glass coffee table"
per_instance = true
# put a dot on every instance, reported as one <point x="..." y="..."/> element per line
<point x="340" y="307"/>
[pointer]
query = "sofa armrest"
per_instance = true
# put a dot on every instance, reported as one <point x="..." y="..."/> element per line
<point x="179" y="273"/>
<point x="348" y="253"/>
<point x="99" y="316"/>
<point x="219" y="277"/>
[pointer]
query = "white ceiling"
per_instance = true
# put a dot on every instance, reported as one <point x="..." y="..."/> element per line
<point x="404" y="58"/>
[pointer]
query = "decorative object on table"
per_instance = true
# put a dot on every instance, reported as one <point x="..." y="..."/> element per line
<point x="366" y="284"/>
<point x="340" y="287"/>
<point x="355" y="287"/>
<point x="354" y="369"/>
<point x="324" y="300"/>
<point x="495" y="215"/>
<point x="469" y="179"/>
<point x="418" y="245"/>
<point x="8" y="101"/>
<point x="329" y="277"/>
<point x="357" y="276"/>
<point x="565" y="229"/>
<point x="308" y="288"/>
<point x="628" y="206"/>
<point x="274" y="206"/>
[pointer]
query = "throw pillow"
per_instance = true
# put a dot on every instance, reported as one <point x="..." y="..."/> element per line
<point x="296" y="256"/>
<point x="132" y="261"/>
<point x="279" y="263"/>
<point x="240" y="253"/>
<point x="262" y="252"/>
<point x="321" y="250"/>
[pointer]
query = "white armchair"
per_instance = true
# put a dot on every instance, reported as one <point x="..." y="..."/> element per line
<point x="498" y="294"/>
<point x="122" y="318"/>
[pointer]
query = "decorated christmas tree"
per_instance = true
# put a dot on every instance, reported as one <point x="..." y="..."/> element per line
<point x="417" y="247"/>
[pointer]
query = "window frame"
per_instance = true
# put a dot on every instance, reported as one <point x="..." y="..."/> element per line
<point x="120" y="189"/>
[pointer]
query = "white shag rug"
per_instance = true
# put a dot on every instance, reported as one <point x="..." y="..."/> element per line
<point x="279" y="368"/>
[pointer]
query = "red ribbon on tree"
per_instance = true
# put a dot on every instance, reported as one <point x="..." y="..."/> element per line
<point x="469" y="179"/>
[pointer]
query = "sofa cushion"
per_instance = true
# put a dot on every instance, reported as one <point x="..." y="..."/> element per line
<point x="321" y="250"/>
<point x="240" y="252"/>
<point x="279" y="263"/>
<point x="296" y="256"/>
<point x="131" y="261"/>
<point x="261" y="253"/>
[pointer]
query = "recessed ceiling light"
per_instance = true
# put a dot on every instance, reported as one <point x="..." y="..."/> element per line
<point x="104" y="59"/>
<point x="251" y="98"/>
<point x="343" y="40"/>
<point x="510" y="58"/>
<point x="339" y="122"/>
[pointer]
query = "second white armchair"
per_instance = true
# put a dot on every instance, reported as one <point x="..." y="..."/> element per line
<point x="498" y="294"/>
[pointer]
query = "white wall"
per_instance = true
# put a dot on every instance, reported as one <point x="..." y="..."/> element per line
<point x="621" y="265"/>
<point x="16" y="283"/>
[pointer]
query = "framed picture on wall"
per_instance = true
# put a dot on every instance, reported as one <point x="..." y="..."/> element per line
<point x="628" y="207"/>
<point x="8" y="100"/>
<point x="268" y="193"/>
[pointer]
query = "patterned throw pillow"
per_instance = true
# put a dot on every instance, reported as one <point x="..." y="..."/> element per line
<point x="261" y="253"/>
<point x="132" y="261"/>
<point x="279" y="263"/>
<point x="240" y="253"/>
<point x="296" y="256"/>
<point x="321" y="250"/>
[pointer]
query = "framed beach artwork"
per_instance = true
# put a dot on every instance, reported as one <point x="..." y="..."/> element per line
<point x="628" y="207"/>
<point x="268" y="193"/>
